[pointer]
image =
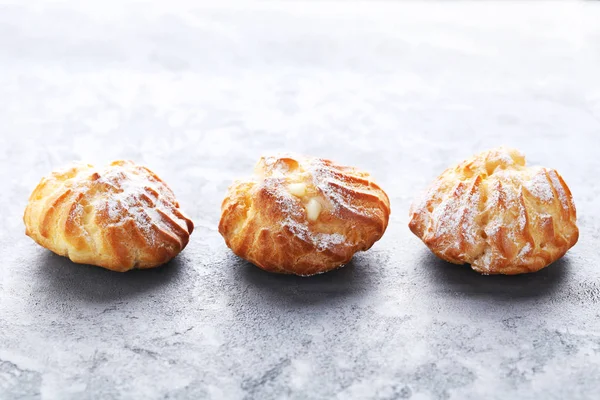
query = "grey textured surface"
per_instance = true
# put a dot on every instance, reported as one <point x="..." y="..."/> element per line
<point x="198" y="94"/>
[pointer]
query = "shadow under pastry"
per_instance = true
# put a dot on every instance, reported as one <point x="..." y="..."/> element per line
<point x="62" y="278"/>
<point x="463" y="280"/>
<point x="352" y="280"/>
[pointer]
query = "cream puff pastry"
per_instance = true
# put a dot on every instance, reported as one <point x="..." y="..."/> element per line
<point x="497" y="214"/>
<point x="119" y="217"/>
<point x="303" y="216"/>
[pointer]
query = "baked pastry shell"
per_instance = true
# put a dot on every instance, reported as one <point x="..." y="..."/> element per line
<point x="118" y="217"/>
<point x="270" y="228"/>
<point x="496" y="214"/>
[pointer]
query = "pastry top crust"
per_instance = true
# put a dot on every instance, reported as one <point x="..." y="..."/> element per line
<point x="118" y="217"/>
<point x="497" y="214"/>
<point x="303" y="215"/>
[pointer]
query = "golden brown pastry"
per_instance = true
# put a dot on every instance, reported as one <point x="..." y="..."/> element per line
<point x="493" y="212"/>
<point x="303" y="216"/>
<point x="119" y="217"/>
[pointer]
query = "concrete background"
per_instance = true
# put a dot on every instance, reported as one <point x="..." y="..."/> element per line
<point x="198" y="93"/>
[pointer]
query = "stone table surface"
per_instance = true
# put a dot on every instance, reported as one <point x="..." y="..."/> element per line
<point x="198" y="93"/>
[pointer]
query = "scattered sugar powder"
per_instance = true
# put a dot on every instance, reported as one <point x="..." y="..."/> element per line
<point x="275" y="168"/>
<point x="327" y="240"/>
<point x="269" y="161"/>
<point x="77" y="214"/>
<point x="329" y="186"/>
<point x="493" y="227"/>
<point x="524" y="251"/>
<point x="471" y="211"/>
<point x="504" y="156"/>
<point x="126" y="200"/>
<point x="322" y="241"/>
<point x="292" y="208"/>
<point x="522" y="217"/>
<point x="485" y="260"/>
<point x="448" y="213"/>
<point x="545" y="219"/>
<point x="540" y="187"/>
<point x="562" y="195"/>
<point x="458" y="211"/>
<point x="113" y="208"/>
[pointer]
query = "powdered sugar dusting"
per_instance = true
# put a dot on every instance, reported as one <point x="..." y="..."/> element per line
<point x="522" y="217"/>
<point x="539" y="186"/>
<point x="485" y="260"/>
<point x="327" y="184"/>
<point x="125" y="201"/>
<point x="273" y="178"/>
<point x="493" y="227"/>
<point x="545" y="219"/>
<point x="113" y="206"/>
<point x="524" y="251"/>
<point x="482" y="237"/>
<point x="77" y="215"/>
<point x="326" y="240"/>
<point x="447" y="215"/>
<point x="456" y="214"/>
<point x="562" y="195"/>
<point x="275" y="167"/>
<point x="294" y="221"/>
<point x="471" y="211"/>
<point x="504" y="158"/>
<point x="126" y="194"/>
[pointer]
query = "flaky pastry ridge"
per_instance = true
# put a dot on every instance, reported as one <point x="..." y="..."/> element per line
<point x="118" y="217"/>
<point x="303" y="216"/>
<point x="497" y="214"/>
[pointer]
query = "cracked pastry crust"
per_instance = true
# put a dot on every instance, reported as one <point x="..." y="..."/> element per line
<point x="303" y="216"/>
<point x="497" y="214"/>
<point x="118" y="217"/>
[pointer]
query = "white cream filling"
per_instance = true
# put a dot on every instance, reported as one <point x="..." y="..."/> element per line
<point x="313" y="209"/>
<point x="297" y="189"/>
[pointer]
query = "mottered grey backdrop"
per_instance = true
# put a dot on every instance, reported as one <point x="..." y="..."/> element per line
<point x="198" y="93"/>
